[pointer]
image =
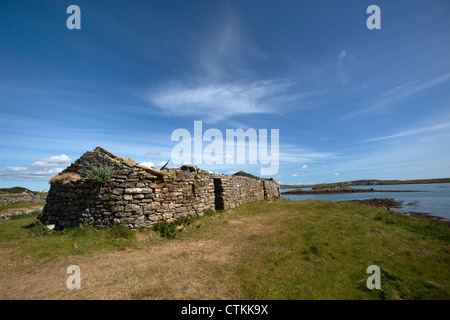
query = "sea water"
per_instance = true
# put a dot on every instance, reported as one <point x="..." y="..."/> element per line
<point x="432" y="198"/>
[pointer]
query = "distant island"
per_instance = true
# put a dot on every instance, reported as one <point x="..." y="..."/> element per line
<point x="336" y="188"/>
<point x="368" y="182"/>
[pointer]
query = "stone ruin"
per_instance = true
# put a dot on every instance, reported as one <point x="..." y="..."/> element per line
<point x="138" y="197"/>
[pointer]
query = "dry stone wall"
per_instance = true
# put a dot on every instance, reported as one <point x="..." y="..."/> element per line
<point x="138" y="197"/>
<point x="271" y="189"/>
<point x="27" y="197"/>
<point x="237" y="190"/>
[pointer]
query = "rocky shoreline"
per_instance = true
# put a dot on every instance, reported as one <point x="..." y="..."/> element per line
<point x="381" y="203"/>
<point x="391" y="203"/>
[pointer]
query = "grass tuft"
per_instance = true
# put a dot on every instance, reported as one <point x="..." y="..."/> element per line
<point x="170" y="230"/>
<point x="100" y="174"/>
<point x="64" y="178"/>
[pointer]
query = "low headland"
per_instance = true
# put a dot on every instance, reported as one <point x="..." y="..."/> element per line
<point x="337" y="188"/>
<point x="365" y="182"/>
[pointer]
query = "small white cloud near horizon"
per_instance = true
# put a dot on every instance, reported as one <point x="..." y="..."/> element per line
<point x="336" y="173"/>
<point x="304" y="166"/>
<point x="159" y="165"/>
<point x="295" y="175"/>
<point x="148" y="164"/>
<point x="40" y="170"/>
<point x="435" y="127"/>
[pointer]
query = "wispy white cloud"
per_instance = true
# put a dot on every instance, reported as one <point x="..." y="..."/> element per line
<point x="399" y="93"/>
<point x="216" y="102"/>
<point x="295" y="154"/>
<point x="215" y="90"/>
<point x="340" y="66"/>
<point x="406" y="85"/>
<point x="435" y="127"/>
<point x="225" y="49"/>
<point x="427" y="155"/>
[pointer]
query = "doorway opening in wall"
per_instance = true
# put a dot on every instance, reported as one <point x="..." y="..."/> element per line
<point x="218" y="194"/>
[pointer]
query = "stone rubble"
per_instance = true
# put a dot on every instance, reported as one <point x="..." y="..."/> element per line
<point x="8" y="215"/>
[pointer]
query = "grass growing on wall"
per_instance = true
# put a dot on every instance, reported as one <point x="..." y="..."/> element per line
<point x="100" y="174"/>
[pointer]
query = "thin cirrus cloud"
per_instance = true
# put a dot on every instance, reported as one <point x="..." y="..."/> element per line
<point x="430" y="153"/>
<point x="294" y="154"/>
<point x="219" y="101"/>
<point x="215" y="90"/>
<point x="399" y="93"/>
<point x="36" y="171"/>
<point x="435" y="127"/>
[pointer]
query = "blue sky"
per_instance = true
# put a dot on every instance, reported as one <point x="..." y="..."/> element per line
<point x="349" y="102"/>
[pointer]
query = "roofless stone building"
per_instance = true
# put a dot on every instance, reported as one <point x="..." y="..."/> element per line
<point x="137" y="196"/>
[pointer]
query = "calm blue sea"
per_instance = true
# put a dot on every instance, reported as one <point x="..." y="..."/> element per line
<point x="433" y="198"/>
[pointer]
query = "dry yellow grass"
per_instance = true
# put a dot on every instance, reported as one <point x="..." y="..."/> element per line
<point x="199" y="267"/>
<point x="64" y="178"/>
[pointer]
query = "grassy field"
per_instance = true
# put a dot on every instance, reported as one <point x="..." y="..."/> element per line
<point x="275" y="249"/>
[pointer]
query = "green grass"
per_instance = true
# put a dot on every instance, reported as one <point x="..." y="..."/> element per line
<point x="170" y="230"/>
<point x="282" y="249"/>
<point x="100" y="174"/>
<point x="323" y="253"/>
<point x="34" y="241"/>
<point x="14" y="190"/>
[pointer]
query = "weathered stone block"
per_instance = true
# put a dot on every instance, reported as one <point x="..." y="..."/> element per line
<point x="128" y="197"/>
